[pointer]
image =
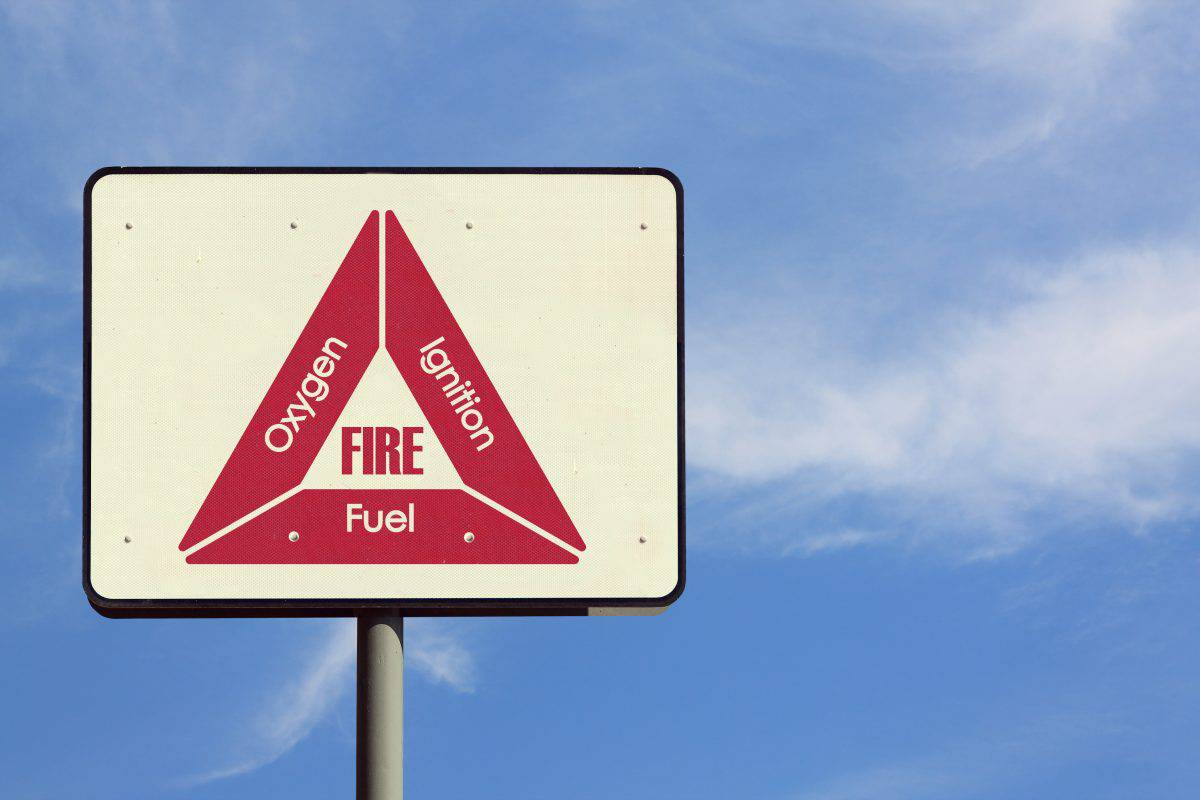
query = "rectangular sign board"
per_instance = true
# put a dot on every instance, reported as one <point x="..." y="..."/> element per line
<point x="448" y="391"/>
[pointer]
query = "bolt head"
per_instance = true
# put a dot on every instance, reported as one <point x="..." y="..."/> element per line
<point x="468" y="537"/>
<point x="128" y="226"/>
<point x="294" y="536"/>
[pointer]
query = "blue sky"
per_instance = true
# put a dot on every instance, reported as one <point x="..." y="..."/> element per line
<point x="943" y="305"/>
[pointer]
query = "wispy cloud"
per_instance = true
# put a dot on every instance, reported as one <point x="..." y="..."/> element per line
<point x="1050" y="62"/>
<point x="131" y="69"/>
<point x="433" y="649"/>
<point x="46" y="496"/>
<point x="813" y="543"/>
<point x="988" y="762"/>
<point x="295" y="710"/>
<point x="998" y="76"/>
<point x="18" y="274"/>
<point x="1075" y="400"/>
<point x="437" y="650"/>
<point x="1015" y="37"/>
<point x="1059" y="59"/>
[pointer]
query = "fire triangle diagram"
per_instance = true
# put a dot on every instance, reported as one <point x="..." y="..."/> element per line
<point x="442" y="423"/>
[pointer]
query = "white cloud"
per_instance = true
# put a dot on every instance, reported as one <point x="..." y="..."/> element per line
<point x="1061" y="57"/>
<point x="327" y="673"/>
<point x="1016" y="35"/>
<point x="1076" y="400"/>
<point x="1047" y="42"/>
<point x="438" y="652"/>
<point x="296" y="709"/>
<point x="838" y="540"/>
<point x="1002" y="75"/>
<point x="20" y="274"/>
<point x="987" y="762"/>
<point x="132" y="72"/>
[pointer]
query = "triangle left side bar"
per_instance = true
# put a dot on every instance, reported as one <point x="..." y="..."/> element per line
<point x="307" y="396"/>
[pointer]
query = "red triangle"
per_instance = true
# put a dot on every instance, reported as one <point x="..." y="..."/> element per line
<point x="462" y="406"/>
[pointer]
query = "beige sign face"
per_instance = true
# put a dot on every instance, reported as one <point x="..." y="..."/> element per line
<point x="434" y="389"/>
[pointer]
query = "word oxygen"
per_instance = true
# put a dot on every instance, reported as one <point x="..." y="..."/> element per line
<point x="461" y="395"/>
<point x="312" y="387"/>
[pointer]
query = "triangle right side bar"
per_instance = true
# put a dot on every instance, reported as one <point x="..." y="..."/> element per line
<point x="462" y="405"/>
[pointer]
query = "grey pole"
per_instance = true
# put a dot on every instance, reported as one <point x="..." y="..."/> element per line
<point x="381" y="706"/>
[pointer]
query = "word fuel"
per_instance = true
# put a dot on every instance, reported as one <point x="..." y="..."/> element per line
<point x="395" y="520"/>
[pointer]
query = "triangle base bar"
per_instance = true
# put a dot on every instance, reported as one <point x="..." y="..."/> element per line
<point x="382" y="526"/>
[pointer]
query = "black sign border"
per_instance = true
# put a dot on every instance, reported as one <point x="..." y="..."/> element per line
<point x="353" y="607"/>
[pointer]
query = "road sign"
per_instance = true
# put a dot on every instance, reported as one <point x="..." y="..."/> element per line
<point x="322" y="390"/>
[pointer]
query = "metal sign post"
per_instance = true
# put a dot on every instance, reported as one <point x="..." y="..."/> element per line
<point x="380" y="706"/>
